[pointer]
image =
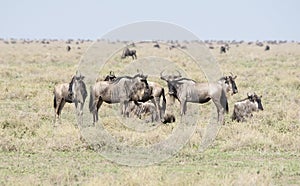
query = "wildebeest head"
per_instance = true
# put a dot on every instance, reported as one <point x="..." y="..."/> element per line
<point x="230" y="84"/>
<point x="172" y="82"/>
<point x="255" y="98"/>
<point x="79" y="87"/>
<point x="141" y="88"/>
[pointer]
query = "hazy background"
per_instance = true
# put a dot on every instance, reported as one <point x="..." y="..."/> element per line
<point x="90" y="19"/>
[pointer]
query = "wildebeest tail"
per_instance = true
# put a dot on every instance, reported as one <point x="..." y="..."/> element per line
<point x="227" y="108"/>
<point x="54" y="102"/>
<point x="91" y="103"/>
<point x="164" y="103"/>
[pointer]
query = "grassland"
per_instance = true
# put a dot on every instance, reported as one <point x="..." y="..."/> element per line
<point x="263" y="151"/>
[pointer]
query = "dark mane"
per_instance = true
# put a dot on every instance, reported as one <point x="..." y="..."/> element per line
<point x="187" y="79"/>
<point x="71" y="84"/>
<point x="121" y="77"/>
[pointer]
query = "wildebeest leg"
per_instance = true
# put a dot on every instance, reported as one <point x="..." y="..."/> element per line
<point x="55" y="109"/>
<point x="100" y="101"/>
<point x="79" y="108"/>
<point x="154" y="115"/>
<point x="60" y="105"/>
<point x="183" y="105"/>
<point x="124" y="110"/>
<point x="220" y="110"/>
<point x="155" y="101"/>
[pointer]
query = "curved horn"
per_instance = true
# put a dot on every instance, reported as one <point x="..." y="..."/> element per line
<point x="139" y="71"/>
<point x="162" y="76"/>
<point x="233" y="77"/>
<point x="161" y="73"/>
<point x="179" y="74"/>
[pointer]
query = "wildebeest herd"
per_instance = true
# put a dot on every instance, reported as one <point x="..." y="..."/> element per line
<point x="141" y="98"/>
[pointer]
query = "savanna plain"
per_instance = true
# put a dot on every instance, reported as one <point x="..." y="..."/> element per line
<point x="265" y="150"/>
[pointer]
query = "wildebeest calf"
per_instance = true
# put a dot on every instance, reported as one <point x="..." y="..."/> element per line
<point x="246" y="107"/>
<point x="142" y="110"/>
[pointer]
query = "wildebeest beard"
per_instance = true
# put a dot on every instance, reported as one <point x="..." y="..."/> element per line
<point x="172" y="90"/>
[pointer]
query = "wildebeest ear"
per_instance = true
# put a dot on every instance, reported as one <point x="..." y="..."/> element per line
<point x="82" y="77"/>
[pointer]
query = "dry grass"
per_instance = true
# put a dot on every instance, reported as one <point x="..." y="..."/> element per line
<point x="263" y="151"/>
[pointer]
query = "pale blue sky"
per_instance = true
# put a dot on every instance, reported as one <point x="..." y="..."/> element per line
<point x="211" y="19"/>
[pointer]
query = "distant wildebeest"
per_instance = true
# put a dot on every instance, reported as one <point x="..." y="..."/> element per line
<point x="156" y="45"/>
<point x="122" y="90"/>
<point x="187" y="90"/>
<point x="142" y="110"/>
<point x="260" y="44"/>
<point x="73" y="92"/>
<point x="110" y="77"/>
<point x="225" y="48"/>
<point x="245" y="108"/>
<point x="128" y="52"/>
<point x="183" y="47"/>
<point x="267" y="48"/>
<point x="68" y="48"/>
<point x="172" y="46"/>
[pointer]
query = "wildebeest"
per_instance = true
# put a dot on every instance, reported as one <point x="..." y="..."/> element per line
<point x="224" y="49"/>
<point x="156" y="45"/>
<point x="187" y="90"/>
<point x="260" y="44"/>
<point x="267" y="48"/>
<point x="68" y="48"/>
<point x="245" y="108"/>
<point x="73" y="92"/>
<point x="122" y="90"/>
<point x="142" y="110"/>
<point x="157" y="92"/>
<point x="172" y="46"/>
<point x="127" y="52"/>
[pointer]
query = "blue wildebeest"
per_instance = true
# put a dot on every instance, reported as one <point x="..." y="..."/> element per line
<point x="187" y="90"/>
<point x="142" y="110"/>
<point x="73" y="92"/>
<point x="122" y="90"/>
<point x="157" y="92"/>
<point x="156" y="45"/>
<point x="224" y="49"/>
<point x="267" y="48"/>
<point x="128" y="52"/>
<point x="245" y="108"/>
